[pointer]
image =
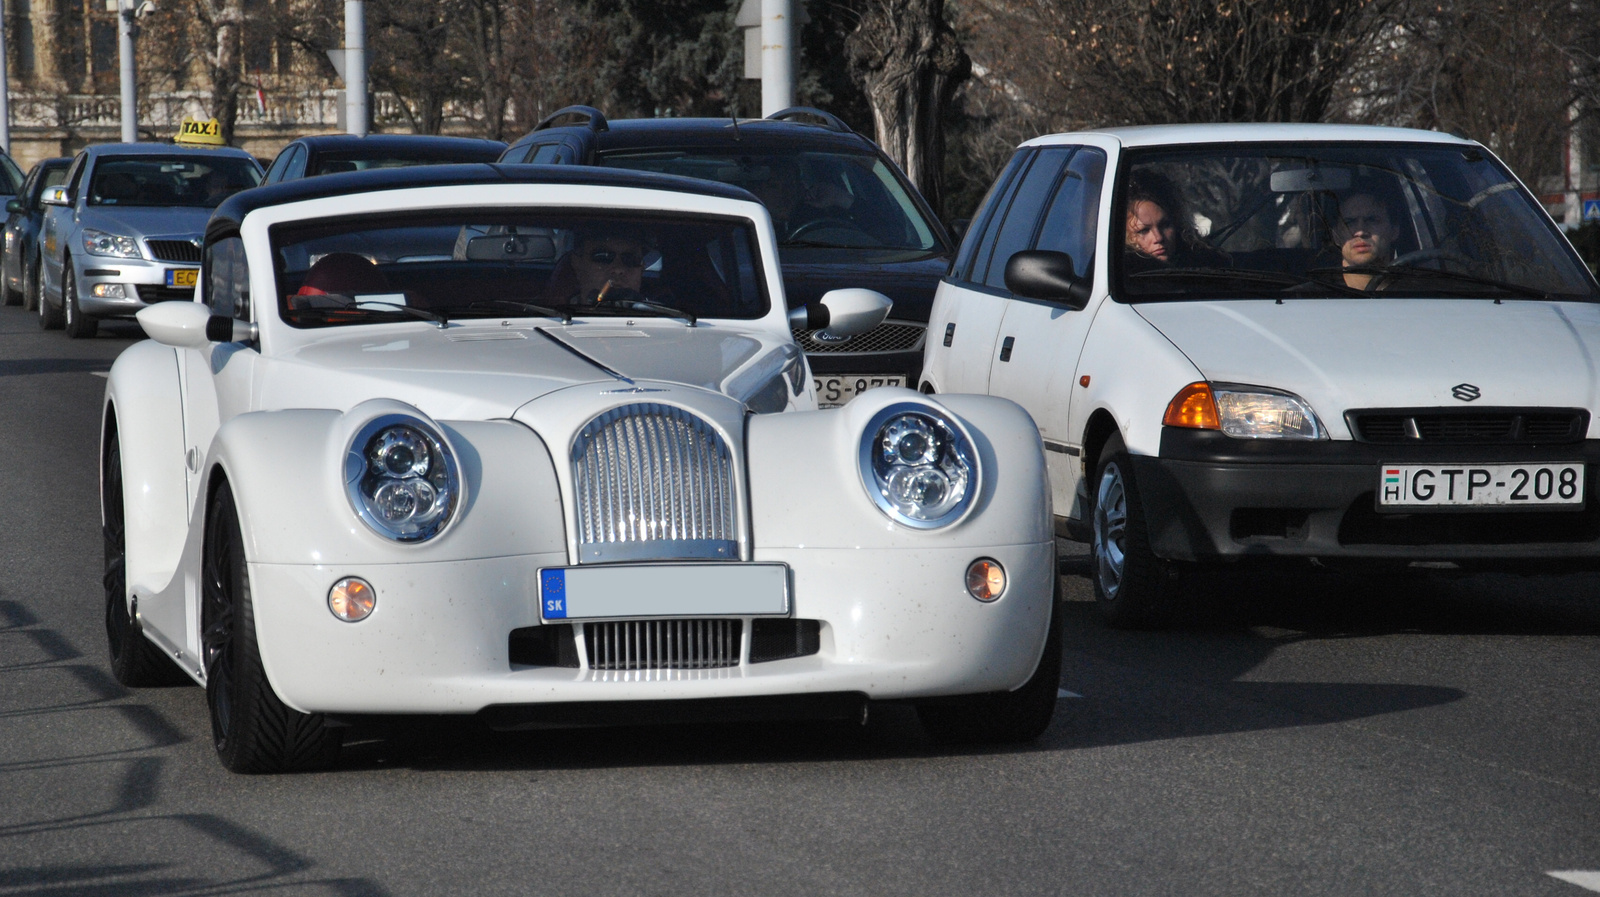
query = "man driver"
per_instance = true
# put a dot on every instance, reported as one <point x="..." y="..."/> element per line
<point x="1366" y="235"/>
<point x="608" y="265"/>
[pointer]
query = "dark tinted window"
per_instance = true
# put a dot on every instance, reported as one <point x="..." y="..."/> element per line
<point x="545" y="154"/>
<point x="227" y="289"/>
<point x="334" y="163"/>
<point x="983" y="218"/>
<point x="1072" y="221"/>
<point x="1022" y="218"/>
<point x="200" y="181"/>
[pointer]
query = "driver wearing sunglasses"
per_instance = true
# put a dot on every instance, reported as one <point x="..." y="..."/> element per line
<point x="608" y="266"/>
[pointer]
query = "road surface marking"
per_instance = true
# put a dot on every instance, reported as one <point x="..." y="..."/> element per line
<point x="1579" y="877"/>
<point x="1063" y="693"/>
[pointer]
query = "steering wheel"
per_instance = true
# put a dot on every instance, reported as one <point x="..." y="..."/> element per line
<point x="817" y="224"/>
<point x="1429" y="255"/>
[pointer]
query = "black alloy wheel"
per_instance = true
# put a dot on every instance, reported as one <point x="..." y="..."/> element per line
<point x="252" y="729"/>
<point x="1011" y="717"/>
<point x="78" y="325"/>
<point x="135" y="661"/>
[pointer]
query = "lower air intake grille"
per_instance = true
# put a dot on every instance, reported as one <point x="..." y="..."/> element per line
<point x="663" y="644"/>
<point x="890" y="336"/>
<point x="165" y="294"/>
<point x="1486" y="426"/>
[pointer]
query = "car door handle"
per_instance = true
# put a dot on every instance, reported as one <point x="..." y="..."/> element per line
<point x="1005" y="348"/>
<point x="949" y="333"/>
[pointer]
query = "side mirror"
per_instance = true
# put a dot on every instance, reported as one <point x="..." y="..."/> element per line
<point x="190" y="325"/>
<point x="54" y="196"/>
<point x="1047" y="275"/>
<point x="16" y="205"/>
<point x="841" y="314"/>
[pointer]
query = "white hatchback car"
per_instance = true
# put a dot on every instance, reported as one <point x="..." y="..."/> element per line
<point x="409" y="456"/>
<point x="1254" y="341"/>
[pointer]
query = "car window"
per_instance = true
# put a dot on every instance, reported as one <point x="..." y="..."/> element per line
<point x="10" y="176"/>
<point x="53" y="176"/>
<point x="1022" y="218"/>
<point x="1337" y="219"/>
<point x="984" y="217"/>
<point x="202" y="182"/>
<point x="472" y="263"/>
<point x="545" y="154"/>
<point x="75" y="176"/>
<point x="817" y="199"/>
<point x="227" y="279"/>
<point x="1071" y="221"/>
<point x="297" y="164"/>
<point x="280" y="165"/>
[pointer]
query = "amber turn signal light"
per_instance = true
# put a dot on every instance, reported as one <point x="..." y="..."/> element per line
<point x="352" y="599"/>
<point x="986" y="579"/>
<point x="1193" y="407"/>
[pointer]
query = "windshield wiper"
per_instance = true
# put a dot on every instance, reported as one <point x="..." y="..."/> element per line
<point x="337" y="302"/>
<point x="564" y="316"/>
<point x="658" y="308"/>
<point x="1516" y="289"/>
<point x="1249" y="275"/>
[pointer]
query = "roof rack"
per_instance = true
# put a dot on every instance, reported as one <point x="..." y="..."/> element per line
<point x="594" y="118"/>
<point x="826" y="119"/>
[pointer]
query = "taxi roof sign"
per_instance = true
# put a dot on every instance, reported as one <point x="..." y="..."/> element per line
<point x="200" y="131"/>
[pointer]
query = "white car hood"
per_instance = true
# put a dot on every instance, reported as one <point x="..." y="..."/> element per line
<point x="483" y="371"/>
<point x="1393" y="353"/>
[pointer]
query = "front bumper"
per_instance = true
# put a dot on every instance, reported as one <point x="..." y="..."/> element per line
<point x="895" y="624"/>
<point x="143" y="281"/>
<point x="1211" y="497"/>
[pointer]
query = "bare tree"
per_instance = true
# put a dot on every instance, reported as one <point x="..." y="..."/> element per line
<point x="220" y="25"/>
<point x="908" y="61"/>
<point x="412" y="58"/>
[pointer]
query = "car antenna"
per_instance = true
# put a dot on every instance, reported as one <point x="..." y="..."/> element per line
<point x="734" y="110"/>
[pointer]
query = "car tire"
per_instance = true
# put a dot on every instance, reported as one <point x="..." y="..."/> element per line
<point x="252" y="729"/>
<point x="77" y="324"/>
<point x="12" y="297"/>
<point x="135" y="661"/>
<point x="1133" y="588"/>
<point x="30" y="286"/>
<point x="49" y="316"/>
<point x="1011" y="717"/>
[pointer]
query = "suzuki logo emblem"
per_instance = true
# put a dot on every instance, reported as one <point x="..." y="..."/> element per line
<point x="1466" y="392"/>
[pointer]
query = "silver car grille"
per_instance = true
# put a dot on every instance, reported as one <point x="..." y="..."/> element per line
<point x="653" y="482"/>
<point x="663" y="644"/>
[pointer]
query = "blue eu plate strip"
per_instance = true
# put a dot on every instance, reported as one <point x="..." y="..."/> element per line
<point x="553" y="591"/>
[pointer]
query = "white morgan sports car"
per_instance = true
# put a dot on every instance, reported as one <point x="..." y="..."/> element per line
<point x="536" y="444"/>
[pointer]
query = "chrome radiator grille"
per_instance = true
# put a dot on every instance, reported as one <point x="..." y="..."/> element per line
<point x="652" y="481"/>
<point x="663" y="644"/>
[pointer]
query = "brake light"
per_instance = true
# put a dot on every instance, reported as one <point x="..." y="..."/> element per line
<point x="1193" y="407"/>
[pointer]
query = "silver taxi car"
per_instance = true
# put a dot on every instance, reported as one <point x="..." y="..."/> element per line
<point x="125" y="229"/>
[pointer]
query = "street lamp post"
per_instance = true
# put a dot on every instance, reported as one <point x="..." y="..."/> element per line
<point x="355" y="67"/>
<point x="5" y="91"/>
<point x="130" y="97"/>
<point x="777" y="55"/>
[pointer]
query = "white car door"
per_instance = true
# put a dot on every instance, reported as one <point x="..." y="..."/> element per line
<point x="1040" y="342"/>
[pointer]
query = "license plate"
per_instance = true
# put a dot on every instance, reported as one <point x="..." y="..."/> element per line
<point x="183" y="277"/>
<point x="842" y="388"/>
<point x="1480" y="486"/>
<point x="663" y="590"/>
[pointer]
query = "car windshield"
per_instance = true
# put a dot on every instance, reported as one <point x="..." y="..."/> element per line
<point x="170" y="180"/>
<point x="466" y="263"/>
<point x="334" y="163"/>
<point x="826" y="200"/>
<point x="1327" y="220"/>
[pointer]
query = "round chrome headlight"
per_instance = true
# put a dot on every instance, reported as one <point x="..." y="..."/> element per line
<point x="401" y="478"/>
<point x="917" y="466"/>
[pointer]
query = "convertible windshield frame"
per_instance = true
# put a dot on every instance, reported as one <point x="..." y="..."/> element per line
<point x="1367" y="159"/>
<point x="750" y="297"/>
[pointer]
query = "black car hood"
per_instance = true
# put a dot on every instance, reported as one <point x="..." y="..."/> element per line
<point x="909" y="280"/>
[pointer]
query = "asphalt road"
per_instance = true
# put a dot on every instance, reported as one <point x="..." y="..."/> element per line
<point x="1300" y="733"/>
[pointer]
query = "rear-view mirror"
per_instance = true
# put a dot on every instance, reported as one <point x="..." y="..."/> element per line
<point x="1303" y="180"/>
<point x="1046" y="275"/>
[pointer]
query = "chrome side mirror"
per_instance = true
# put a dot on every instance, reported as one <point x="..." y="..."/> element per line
<point x="55" y="196"/>
<point x="841" y="314"/>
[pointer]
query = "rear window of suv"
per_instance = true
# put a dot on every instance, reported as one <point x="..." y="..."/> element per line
<point x="817" y="199"/>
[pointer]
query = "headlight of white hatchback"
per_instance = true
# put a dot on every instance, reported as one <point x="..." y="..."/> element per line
<point x="1254" y="412"/>
<point x="401" y="478"/>
<point x="98" y="242"/>
<point x="918" y="467"/>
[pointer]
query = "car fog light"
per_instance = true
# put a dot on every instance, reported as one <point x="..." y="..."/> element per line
<point x="109" y="291"/>
<point x="986" y="579"/>
<point x="352" y="599"/>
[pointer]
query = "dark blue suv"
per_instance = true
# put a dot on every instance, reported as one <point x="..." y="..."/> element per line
<point x="845" y="216"/>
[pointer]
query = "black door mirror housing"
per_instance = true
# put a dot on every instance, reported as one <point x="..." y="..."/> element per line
<point x="1047" y="275"/>
<point x="15" y="205"/>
